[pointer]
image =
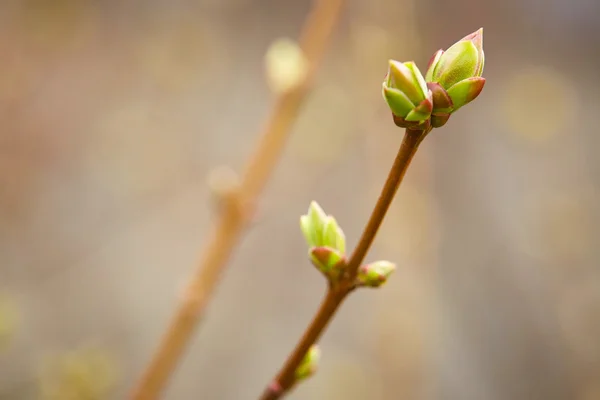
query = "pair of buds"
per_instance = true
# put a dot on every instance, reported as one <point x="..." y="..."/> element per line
<point x="453" y="79"/>
<point x="327" y="250"/>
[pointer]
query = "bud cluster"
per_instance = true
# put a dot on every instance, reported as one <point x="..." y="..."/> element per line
<point x="453" y="79"/>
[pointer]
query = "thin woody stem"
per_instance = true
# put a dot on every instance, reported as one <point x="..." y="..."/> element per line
<point x="336" y="294"/>
<point x="233" y="217"/>
<point x="408" y="148"/>
<point x="286" y="378"/>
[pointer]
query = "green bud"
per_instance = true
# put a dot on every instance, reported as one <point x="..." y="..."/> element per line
<point x="407" y="95"/>
<point x="407" y="78"/>
<point x="309" y="364"/>
<point x="464" y="59"/>
<point x="454" y="76"/>
<point x="322" y="230"/>
<point x="375" y="274"/>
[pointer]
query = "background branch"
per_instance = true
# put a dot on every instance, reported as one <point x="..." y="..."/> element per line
<point x="234" y="213"/>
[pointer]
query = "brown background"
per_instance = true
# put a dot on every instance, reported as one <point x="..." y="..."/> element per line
<point x="114" y="112"/>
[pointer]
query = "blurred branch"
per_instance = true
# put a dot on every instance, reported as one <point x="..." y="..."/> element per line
<point x="337" y="292"/>
<point x="235" y="213"/>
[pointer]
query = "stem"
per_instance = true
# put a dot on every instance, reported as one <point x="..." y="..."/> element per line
<point x="234" y="215"/>
<point x="408" y="148"/>
<point x="336" y="294"/>
<point x="286" y="379"/>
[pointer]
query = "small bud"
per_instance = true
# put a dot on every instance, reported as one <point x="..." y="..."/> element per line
<point x="322" y="230"/>
<point x="327" y="260"/>
<point x="286" y="65"/>
<point x="224" y="186"/>
<point x="375" y="274"/>
<point x="407" y="95"/>
<point x="222" y="181"/>
<point x="454" y="76"/>
<point x="309" y="364"/>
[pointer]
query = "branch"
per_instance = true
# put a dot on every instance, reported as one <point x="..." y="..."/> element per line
<point x="336" y="294"/>
<point x="233" y="216"/>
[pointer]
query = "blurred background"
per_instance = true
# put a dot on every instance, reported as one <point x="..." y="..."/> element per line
<point x="114" y="113"/>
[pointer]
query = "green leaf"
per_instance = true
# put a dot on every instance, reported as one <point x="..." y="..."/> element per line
<point x="421" y="112"/>
<point x="317" y="220"/>
<point x="466" y="91"/>
<point x="420" y="81"/>
<point x="459" y="62"/>
<point x="333" y="236"/>
<point x="399" y="104"/>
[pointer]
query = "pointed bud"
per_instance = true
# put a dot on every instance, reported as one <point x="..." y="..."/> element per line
<point x="477" y="39"/>
<point x="456" y="73"/>
<point x="327" y="260"/>
<point x="407" y="78"/>
<point x="406" y="93"/>
<point x="322" y="230"/>
<point x="309" y="364"/>
<point x="457" y="63"/>
<point x="464" y="59"/>
<point x="375" y="274"/>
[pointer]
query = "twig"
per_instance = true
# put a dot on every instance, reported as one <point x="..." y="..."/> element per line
<point x="234" y="216"/>
<point x="336" y="294"/>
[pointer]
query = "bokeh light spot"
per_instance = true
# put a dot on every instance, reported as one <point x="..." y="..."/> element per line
<point x="86" y="373"/>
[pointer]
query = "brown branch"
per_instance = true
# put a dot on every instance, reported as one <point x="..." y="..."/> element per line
<point x="316" y="33"/>
<point x="408" y="148"/>
<point x="336" y="294"/>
